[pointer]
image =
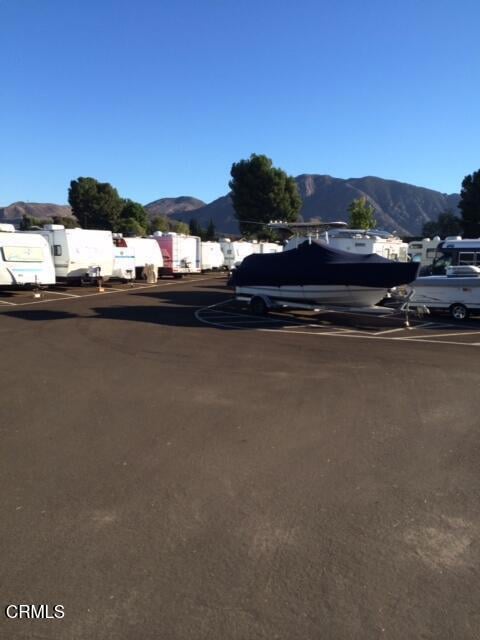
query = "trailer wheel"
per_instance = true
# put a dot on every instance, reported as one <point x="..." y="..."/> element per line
<point x="258" y="306"/>
<point x="459" y="311"/>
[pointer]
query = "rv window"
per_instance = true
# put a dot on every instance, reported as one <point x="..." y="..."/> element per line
<point x="466" y="258"/>
<point x="23" y="254"/>
<point x="57" y="249"/>
<point x="360" y="244"/>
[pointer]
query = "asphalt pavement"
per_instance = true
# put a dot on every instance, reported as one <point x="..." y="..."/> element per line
<point x="165" y="478"/>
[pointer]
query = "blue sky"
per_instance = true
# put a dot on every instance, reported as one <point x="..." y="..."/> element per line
<point x="160" y="97"/>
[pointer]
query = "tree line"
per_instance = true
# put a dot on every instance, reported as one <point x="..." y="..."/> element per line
<point x="98" y="205"/>
<point x="260" y="193"/>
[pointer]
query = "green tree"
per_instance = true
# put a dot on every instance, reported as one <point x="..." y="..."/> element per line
<point x="96" y="205"/>
<point x="262" y="192"/>
<point x="210" y="234"/>
<point x="447" y="224"/>
<point x="361" y="214"/>
<point x="130" y="227"/>
<point x="194" y="228"/>
<point x="469" y="205"/>
<point x="182" y="227"/>
<point x="29" y="222"/>
<point x="135" y="211"/>
<point x="67" y="221"/>
<point x="159" y="223"/>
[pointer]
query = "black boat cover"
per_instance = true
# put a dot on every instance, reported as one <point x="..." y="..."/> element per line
<point x="316" y="263"/>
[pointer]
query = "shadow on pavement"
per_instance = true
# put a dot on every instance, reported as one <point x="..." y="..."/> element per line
<point x="40" y="314"/>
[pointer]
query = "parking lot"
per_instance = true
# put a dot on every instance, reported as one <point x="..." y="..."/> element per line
<point x="174" y="467"/>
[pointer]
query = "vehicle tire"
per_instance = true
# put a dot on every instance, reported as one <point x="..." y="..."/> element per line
<point x="258" y="306"/>
<point x="459" y="311"/>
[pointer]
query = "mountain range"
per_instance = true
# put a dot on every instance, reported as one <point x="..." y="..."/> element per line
<point x="399" y="206"/>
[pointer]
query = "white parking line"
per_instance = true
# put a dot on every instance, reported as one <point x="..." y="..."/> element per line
<point x="62" y="293"/>
<point x="446" y="335"/>
<point x="369" y="337"/>
<point x="9" y="303"/>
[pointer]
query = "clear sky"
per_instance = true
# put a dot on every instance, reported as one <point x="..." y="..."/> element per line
<point x="159" y="97"/>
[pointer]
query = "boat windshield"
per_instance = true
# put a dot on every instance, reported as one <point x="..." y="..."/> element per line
<point x="441" y="262"/>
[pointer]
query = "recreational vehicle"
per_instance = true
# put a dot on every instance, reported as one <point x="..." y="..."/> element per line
<point x="453" y="251"/>
<point x="146" y="251"/>
<point x="212" y="256"/>
<point x="381" y="243"/>
<point x="423" y="251"/>
<point x="270" y="247"/>
<point x="236" y="251"/>
<point x="457" y="291"/>
<point x="79" y="254"/>
<point x="25" y="258"/>
<point x="181" y="253"/>
<point x="123" y="259"/>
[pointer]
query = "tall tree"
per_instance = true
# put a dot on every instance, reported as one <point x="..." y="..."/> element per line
<point x="361" y="214"/>
<point x="130" y="227"/>
<point x="262" y="192"/>
<point x="96" y="205"/>
<point x="211" y="231"/>
<point x="194" y="228"/>
<point x="447" y="224"/>
<point x="135" y="211"/>
<point x="469" y="205"/>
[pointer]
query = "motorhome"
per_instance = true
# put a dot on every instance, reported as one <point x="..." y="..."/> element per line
<point x="181" y="253"/>
<point x="123" y="259"/>
<point x="457" y="291"/>
<point x="270" y="247"/>
<point x="236" y="251"/>
<point x="453" y="251"/>
<point x="212" y="256"/>
<point x="379" y="242"/>
<point x="79" y="254"/>
<point x="423" y="251"/>
<point x="147" y="251"/>
<point x="25" y="259"/>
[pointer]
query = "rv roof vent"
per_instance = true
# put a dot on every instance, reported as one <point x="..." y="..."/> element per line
<point x="8" y="228"/>
<point x="171" y="233"/>
<point x="53" y="227"/>
<point x="157" y="234"/>
<point x="453" y="238"/>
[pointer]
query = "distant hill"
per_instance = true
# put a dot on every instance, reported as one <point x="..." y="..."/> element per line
<point x="173" y="206"/>
<point x="14" y="212"/>
<point x="399" y="206"/>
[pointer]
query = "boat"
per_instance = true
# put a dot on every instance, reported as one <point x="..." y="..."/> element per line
<point x="457" y="291"/>
<point x="315" y="273"/>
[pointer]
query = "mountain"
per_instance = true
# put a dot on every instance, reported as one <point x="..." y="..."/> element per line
<point x="14" y="212"/>
<point x="398" y="206"/>
<point x="173" y="206"/>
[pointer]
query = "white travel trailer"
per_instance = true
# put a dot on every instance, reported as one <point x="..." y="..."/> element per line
<point x="25" y="258"/>
<point x="270" y="247"/>
<point x="458" y="291"/>
<point x="181" y="253"/>
<point x="236" y="251"/>
<point x="212" y="256"/>
<point x="79" y="254"/>
<point x="123" y="259"/>
<point x="146" y="251"/>
<point x="423" y="251"/>
<point x="358" y="241"/>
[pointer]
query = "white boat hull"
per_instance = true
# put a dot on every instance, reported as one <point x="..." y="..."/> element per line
<point x="335" y="295"/>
